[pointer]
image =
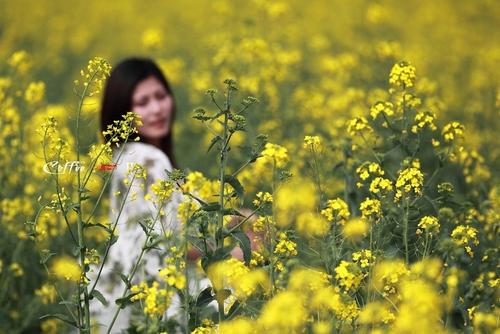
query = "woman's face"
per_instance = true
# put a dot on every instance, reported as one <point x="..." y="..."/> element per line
<point x="151" y="100"/>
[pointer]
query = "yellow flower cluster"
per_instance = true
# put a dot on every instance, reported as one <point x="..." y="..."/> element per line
<point x="67" y="268"/>
<point x="364" y="258"/>
<point x="387" y="275"/>
<point x="277" y="153"/>
<point x="163" y="190"/>
<point x="102" y="154"/>
<point x="430" y="225"/>
<point x="376" y="313"/>
<point x="355" y="229"/>
<point x="453" y="131"/>
<point x="152" y="38"/>
<point x="313" y="143"/>
<point x="386" y="108"/>
<point x="91" y="256"/>
<point x="357" y="126"/>
<point x="47" y="293"/>
<point x="35" y="92"/>
<point x="410" y="182"/>
<point x="308" y="280"/>
<point x="336" y="211"/>
<point x="424" y="119"/>
<point x="16" y="269"/>
<point x="294" y="198"/>
<point x="466" y="236"/>
<point x="122" y="129"/>
<point x="285" y="246"/>
<point x="20" y="61"/>
<point x="312" y="225"/>
<point x="155" y="300"/>
<point x="260" y="225"/>
<point x="402" y="75"/>
<point x="94" y="76"/>
<point x="371" y="208"/>
<point x="349" y="275"/>
<point x="234" y="274"/>
<point x="381" y="186"/>
<point x="263" y="198"/>
<point x="173" y="277"/>
<point x="368" y="169"/>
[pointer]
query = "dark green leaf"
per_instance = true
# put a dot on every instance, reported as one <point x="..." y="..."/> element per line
<point x="233" y="181"/>
<point x="45" y="256"/>
<point x="61" y="317"/>
<point x="125" y="280"/>
<point x="245" y="245"/>
<point x="205" y="297"/>
<point x="214" y="141"/>
<point x="98" y="295"/>
<point x="213" y="206"/>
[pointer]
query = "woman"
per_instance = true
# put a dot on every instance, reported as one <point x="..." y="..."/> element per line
<point x="138" y="85"/>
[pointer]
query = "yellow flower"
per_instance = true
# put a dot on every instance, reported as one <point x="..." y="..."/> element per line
<point x="453" y="131"/>
<point x="277" y="153"/>
<point x="410" y="182"/>
<point x="387" y="108"/>
<point x="355" y="229"/>
<point x="152" y="38"/>
<point x="67" y="268"/>
<point x="429" y="224"/>
<point x="357" y="126"/>
<point x="371" y="208"/>
<point x="381" y="185"/>
<point x="348" y="275"/>
<point x="313" y="143"/>
<point x="173" y="277"/>
<point x="465" y="236"/>
<point x="364" y="258"/>
<point x="336" y="211"/>
<point x="312" y="225"/>
<point x="47" y="293"/>
<point x="93" y="76"/>
<point x="284" y="313"/>
<point x="402" y="75"/>
<point x="35" y="92"/>
<point x="285" y="246"/>
<point x="263" y="198"/>
<point x="16" y="269"/>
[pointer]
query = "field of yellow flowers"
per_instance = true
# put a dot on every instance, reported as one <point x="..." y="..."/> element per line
<point x="349" y="149"/>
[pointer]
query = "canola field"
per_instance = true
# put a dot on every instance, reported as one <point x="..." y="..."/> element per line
<point x="347" y="150"/>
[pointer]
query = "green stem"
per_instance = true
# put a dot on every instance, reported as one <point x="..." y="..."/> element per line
<point x="405" y="230"/>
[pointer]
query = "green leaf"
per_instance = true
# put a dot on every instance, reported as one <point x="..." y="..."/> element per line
<point x="214" y="141"/>
<point x="205" y="297"/>
<point x="219" y="255"/>
<point x="234" y="310"/>
<point x="62" y="317"/>
<point x="125" y="280"/>
<point x="233" y="181"/>
<point x="45" y="256"/>
<point x="98" y="295"/>
<point x="144" y="226"/>
<point x="123" y="302"/>
<point x="232" y="212"/>
<point x="245" y="245"/>
<point x="213" y="206"/>
<point x="98" y="225"/>
<point x="113" y="240"/>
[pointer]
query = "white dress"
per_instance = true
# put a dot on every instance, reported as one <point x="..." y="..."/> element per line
<point x="124" y="253"/>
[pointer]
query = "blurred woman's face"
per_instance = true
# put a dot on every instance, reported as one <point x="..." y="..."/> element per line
<point x="152" y="101"/>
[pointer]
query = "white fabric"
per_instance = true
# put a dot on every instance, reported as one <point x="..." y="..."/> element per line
<point x="124" y="253"/>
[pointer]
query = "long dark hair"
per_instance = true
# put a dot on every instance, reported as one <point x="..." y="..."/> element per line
<point x="117" y="98"/>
